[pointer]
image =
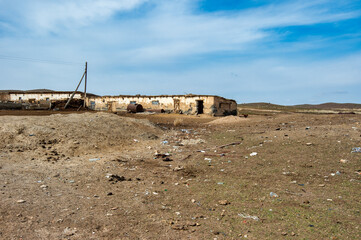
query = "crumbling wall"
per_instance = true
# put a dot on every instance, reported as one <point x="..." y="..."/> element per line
<point x="224" y="107"/>
<point x="178" y="103"/>
<point x="4" y="97"/>
<point x="26" y="97"/>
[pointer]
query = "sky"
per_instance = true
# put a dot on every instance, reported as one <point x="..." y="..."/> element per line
<point x="282" y="51"/>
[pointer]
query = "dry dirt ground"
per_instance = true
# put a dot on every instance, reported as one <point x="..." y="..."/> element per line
<point x="105" y="176"/>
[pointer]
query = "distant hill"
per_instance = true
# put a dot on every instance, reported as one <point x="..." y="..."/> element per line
<point x="330" y="105"/>
<point x="263" y="105"/>
<point x="323" y="106"/>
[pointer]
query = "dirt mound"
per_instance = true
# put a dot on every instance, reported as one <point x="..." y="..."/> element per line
<point x="72" y="134"/>
<point x="227" y="120"/>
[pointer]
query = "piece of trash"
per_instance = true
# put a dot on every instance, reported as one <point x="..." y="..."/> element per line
<point x="329" y="199"/>
<point x="208" y="159"/>
<point x="220" y="183"/>
<point x="356" y="150"/>
<point x="309" y="144"/>
<point x="31" y="135"/>
<point x="307" y="128"/>
<point x="94" y="159"/>
<point x="338" y="173"/>
<point x="43" y="186"/>
<point x="165" y="142"/>
<point x="71" y="181"/>
<point x="343" y="161"/>
<point x="135" y="140"/>
<point x="155" y="193"/>
<point x="247" y="216"/>
<point x="272" y="194"/>
<point x="20" y="201"/>
<point x="253" y="154"/>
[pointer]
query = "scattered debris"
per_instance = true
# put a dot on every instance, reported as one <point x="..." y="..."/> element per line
<point x="192" y="141"/>
<point x="356" y="150"/>
<point x="230" y="144"/>
<point x="247" y="216"/>
<point x="94" y="159"/>
<point x="274" y="195"/>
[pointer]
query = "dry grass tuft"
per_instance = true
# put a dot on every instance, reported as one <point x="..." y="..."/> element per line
<point x="178" y="122"/>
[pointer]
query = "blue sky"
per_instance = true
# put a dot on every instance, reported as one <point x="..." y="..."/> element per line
<point x="284" y="52"/>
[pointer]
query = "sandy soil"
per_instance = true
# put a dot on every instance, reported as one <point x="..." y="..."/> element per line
<point x="104" y="176"/>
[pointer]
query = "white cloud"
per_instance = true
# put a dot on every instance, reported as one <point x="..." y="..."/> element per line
<point x="45" y="15"/>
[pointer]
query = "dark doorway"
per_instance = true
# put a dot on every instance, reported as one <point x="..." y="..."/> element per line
<point x="199" y="106"/>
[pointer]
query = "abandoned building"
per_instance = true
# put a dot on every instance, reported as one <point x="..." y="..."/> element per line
<point x="187" y="104"/>
<point x="37" y="95"/>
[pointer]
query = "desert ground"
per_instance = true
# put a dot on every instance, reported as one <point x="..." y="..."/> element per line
<point x="90" y="175"/>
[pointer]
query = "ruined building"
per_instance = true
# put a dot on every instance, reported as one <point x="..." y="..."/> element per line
<point x="187" y="104"/>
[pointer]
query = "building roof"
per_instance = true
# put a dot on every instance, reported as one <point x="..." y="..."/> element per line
<point x="158" y="96"/>
<point x="42" y="91"/>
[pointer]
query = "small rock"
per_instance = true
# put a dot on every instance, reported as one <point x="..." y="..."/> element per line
<point x="43" y="186"/>
<point x="321" y="185"/>
<point x="284" y="233"/>
<point x="309" y="144"/>
<point x="224" y="202"/>
<point x="179" y="227"/>
<point x="179" y="168"/>
<point x="69" y="232"/>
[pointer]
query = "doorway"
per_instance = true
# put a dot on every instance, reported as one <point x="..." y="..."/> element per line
<point x="200" y="106"/>
<point x="176" y="105"/>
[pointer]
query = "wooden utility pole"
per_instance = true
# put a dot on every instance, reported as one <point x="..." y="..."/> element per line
<point x="71" y="97"/>
<point x="86" y="79"/>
